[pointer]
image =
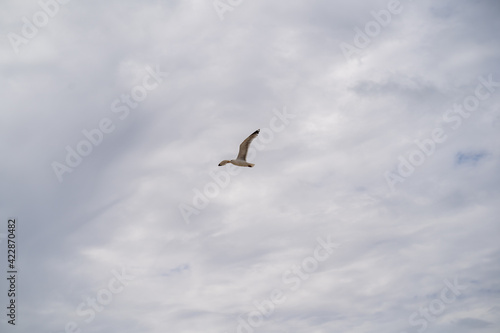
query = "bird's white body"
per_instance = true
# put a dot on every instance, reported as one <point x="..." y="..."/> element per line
<point x="237" y="162"/>
<point x="242" y="154"/>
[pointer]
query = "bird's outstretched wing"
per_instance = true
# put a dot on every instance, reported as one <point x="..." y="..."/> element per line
<point x="242" y="154"/>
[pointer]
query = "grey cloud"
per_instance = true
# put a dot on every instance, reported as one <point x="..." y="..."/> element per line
<point x="321" y="175"/>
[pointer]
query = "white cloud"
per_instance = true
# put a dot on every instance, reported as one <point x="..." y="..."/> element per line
<point x="322" y="175"/>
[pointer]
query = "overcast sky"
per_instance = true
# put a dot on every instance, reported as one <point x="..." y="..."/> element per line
<point x="373" y="205"/>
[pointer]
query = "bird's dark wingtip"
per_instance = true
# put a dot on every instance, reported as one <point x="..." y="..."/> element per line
<point x="257" y="131"/>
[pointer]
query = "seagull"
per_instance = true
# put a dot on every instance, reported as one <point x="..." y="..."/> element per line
<point x="242" y="154"/>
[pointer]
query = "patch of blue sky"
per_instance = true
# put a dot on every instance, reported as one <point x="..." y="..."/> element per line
<point x="469" y="158"/>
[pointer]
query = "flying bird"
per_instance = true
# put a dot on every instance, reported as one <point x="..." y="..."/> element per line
<point x="242" y="154"/>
